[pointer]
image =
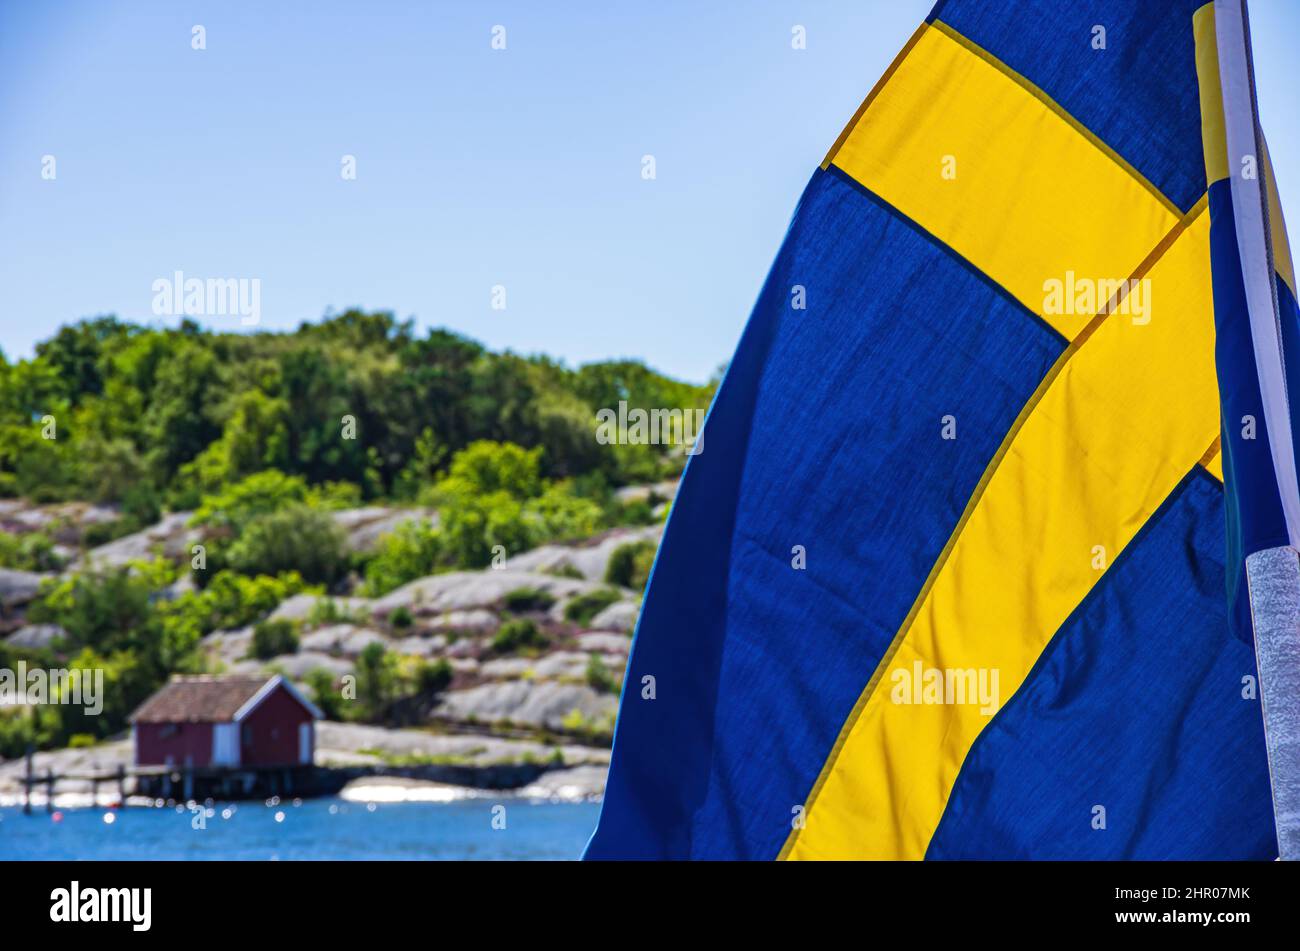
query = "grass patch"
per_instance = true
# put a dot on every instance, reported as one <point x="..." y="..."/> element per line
<point x="591" y="729"/>
<point x="425" y="759"/>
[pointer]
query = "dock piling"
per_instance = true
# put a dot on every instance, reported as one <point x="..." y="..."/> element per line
<point x="27" y="784"/>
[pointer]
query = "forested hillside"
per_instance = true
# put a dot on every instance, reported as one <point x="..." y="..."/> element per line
<point x="261" y="441"/>
<point x="155" y="419"/>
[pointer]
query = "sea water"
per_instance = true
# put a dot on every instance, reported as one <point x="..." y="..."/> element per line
<point x="329" y="828"/>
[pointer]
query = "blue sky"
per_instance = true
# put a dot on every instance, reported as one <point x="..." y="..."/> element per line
<point x="475" y="167"/>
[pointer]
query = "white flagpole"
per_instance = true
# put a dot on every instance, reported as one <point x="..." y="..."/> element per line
<point x="1273" y="575"/>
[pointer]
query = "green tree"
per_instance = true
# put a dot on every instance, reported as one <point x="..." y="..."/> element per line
<point x="325" y="693"/>
<point x="377" y="681"/>
<point x="111" y="469"/>
<point x="75" y="351"/>
<point x="255" y="437"/>
<point x="178" y="425"/>
<point x="420" y="473"/>
<point x="106" y="611"/>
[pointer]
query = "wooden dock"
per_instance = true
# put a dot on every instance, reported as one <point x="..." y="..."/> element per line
<point x="183" y="782"/>
<point x="95" y="779"/>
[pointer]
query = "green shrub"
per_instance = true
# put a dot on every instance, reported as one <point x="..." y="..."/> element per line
<point x="528" y="599"/>
<point x="101" y="533"/>
<point x="635" y="512"/>
<point x="229" y="600"/>
<point x="599" y="677"/>
<point x="484" y="467"/>
<point x="297" y="538"/>
<point x="16" y="731"/>
<point x="31" y="552"/>
<point x="334" y="496"/>
<point x="378" y="680"/>
<point x="325" y="693"/>
<point x="557" y="514"/>
<point x="475" y="526"/>
<point x="493" y="500"/>
<point x="105" y="610"/>
<point x="46" y="471"/>
<point x="142" y="505"/>
<point x="516" y="634"/>
<point x="126" y="684"/>
<point x="111" y="469"/>
<point x="566" y="570"/>
<point x="630" y="565"/>
<point x="408" y="552"/>
<point x="591" y="729"/>
<point x="262" y="493"/>
<point x="329" y="611"/>
<point x="433" y="678"/>
<point x="582" y="608"/>
<point x="273" y="638"/>
<point x="400" y="618"/>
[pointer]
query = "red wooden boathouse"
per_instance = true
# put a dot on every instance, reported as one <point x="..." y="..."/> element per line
<point x="234" y="722"/>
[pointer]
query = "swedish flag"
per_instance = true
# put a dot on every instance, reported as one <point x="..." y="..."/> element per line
<point x="948" y="580"/>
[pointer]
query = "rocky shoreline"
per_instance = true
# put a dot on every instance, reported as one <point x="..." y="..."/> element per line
<point x="535" y="719"/>
<point x="365" y="763"/>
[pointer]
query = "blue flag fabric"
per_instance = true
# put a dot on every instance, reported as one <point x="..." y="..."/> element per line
<point x="948" y="578"/>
